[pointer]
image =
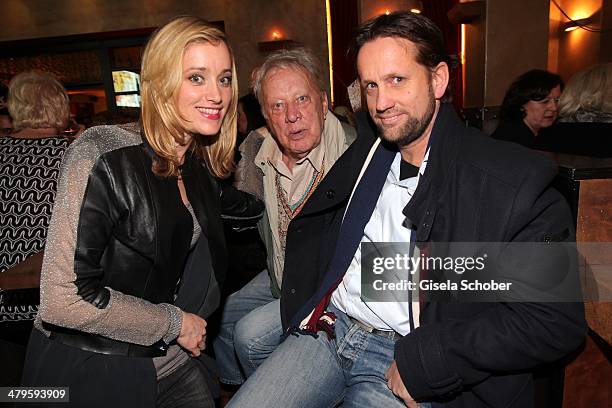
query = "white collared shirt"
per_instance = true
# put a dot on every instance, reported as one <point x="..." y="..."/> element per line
<point x="385" y="225"/>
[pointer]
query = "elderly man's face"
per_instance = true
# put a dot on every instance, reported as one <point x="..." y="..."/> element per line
<point x="295" y="112"/>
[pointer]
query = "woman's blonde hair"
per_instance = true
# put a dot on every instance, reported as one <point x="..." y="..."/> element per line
<point x="589" y="90"/>
<point x="38" y="100"/>
<point x="161" y="76"/>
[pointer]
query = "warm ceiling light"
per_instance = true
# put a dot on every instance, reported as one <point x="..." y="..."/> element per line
<point x="276" y="35"/>
<point x="415" y="10"/>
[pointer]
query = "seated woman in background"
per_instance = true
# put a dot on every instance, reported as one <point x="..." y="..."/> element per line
<point x="530" y="104"/>
<point x="249" y="116"/>
<point x="30" y="159"/>
<point x="588" y="96"/>
<point x="246" y="251"/>
<point x="136" y="253"/>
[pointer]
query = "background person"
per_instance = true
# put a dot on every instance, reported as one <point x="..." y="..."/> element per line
<point x="585" y="116"/>
<point x="530" y="104"/>
<point x="30" y="159"/>
<point x="249" y="116"/>
<point x="587" y="97"/>
<point x="247" y="255"/>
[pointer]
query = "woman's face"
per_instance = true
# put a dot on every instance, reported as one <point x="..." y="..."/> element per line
<point x="541" y="114"/>
<point x="206" y="87"/>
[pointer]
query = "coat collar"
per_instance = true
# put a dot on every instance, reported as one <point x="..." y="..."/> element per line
<point x="421" y="210"/>
<point x="336" y="187"/>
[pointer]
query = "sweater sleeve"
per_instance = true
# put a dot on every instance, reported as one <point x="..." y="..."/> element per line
<point x="72" y="294"/>
<point x="248" y="176"/>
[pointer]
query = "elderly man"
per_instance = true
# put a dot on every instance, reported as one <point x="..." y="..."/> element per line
<point x="426" y="179"/>
<point x="283" y="167"/>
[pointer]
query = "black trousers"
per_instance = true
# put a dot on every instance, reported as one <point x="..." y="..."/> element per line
<point x="95" y="380"/>
<point x="186" y="387"/>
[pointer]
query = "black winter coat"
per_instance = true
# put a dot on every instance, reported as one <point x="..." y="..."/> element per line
<point x="475" y="189"/>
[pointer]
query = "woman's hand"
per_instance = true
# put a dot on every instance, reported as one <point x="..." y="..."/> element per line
<point x="193" y="334"/>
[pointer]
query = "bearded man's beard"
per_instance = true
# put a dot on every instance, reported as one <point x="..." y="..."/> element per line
<point x="413" y="128"/>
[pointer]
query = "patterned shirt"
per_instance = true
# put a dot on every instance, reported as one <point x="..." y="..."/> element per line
<point x="28" y="181"/>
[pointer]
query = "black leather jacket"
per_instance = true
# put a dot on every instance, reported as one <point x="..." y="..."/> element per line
<point x="151" y="228"/>
<point x="131" y="238"/>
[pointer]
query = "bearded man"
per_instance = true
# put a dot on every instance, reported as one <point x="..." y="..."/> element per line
<point x="423" y="178"/>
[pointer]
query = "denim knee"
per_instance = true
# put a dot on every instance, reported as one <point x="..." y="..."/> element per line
<point x="246" y="335"/>
<point x="254" y="343"/>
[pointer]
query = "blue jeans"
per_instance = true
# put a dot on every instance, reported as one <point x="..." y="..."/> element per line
<point x="250" y="330"/>
<point x="317" y="372"/>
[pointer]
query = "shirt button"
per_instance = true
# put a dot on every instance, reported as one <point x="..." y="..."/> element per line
<point x="330" y="194"/>
<point x="425" y="225"/>
<point x="292" y="291"/>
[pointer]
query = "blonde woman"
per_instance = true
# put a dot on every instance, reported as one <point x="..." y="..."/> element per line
<point x="135" y="253"/>
<point x="30" y="159"/>
<point x="588" y="96"/>
<point x="38" y="105"/>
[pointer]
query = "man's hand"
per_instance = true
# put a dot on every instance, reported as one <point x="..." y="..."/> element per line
<point x="193" y="334"/>
<point x="396" y="385"/>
